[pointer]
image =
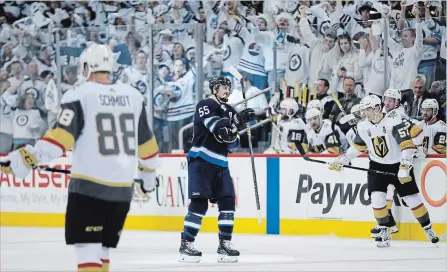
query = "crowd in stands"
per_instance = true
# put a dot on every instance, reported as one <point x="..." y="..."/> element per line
<point x="324" y="49"/>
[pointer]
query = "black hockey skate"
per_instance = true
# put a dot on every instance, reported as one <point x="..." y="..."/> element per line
<point x="384" y="237"/>
<point x="226" y="252"/>
<point x="376" y="230"/>
<point x="188" y="253"/>
<point x="431" y="235"/>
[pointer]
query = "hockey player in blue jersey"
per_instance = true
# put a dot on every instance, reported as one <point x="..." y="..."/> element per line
<point x="216" y="126"/>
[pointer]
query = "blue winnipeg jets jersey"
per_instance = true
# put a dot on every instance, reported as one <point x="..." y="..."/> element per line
<point x="209" y="117"/>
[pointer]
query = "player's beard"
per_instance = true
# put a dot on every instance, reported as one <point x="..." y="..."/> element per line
<point x="224" y="98"/>
<point x="427" y="117"/>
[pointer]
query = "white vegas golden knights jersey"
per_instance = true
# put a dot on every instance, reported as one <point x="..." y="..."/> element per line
<point x="108" y="128"/>
<point x="385" y="140"/>
<point x="326" y="140"/>
<point x="434" y="136"/>
<point x="291" y="130"/>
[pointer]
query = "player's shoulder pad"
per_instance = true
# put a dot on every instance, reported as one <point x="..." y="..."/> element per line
<point x="298" y="122"/>
<point x="362" y="125"/>
<point x="440" y="123"/>
<point x="73" y="94"/>
<point x="210" y="102"/>
<point x="327" y="123"/>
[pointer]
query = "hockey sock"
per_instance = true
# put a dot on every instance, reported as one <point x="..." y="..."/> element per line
<point x="227" y="206"/>
<point x="380" y="210"/>
<point x="105" y="259"/>
<point x="193" y="219"/>
<point x="88" y="257"/>
<point x="226" y="224"/>
<point x="418" y="208"/>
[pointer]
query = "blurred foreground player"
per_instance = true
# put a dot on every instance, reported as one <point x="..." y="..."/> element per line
<point x="216" y="127"/>
<point x="107" y="126"/>
<point x="391" y="149"/>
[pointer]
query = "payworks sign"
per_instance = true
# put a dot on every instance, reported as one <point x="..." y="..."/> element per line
<point x="296" y="196"/>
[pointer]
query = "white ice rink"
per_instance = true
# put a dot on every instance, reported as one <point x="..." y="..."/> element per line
<point x="43" y="249"/>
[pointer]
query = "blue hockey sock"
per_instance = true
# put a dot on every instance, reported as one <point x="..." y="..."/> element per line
<point x="191" y="226"/>
<point x="226" y="224"/>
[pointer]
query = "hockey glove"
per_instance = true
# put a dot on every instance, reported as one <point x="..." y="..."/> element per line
<point x="5" y="167"/>
<point x="337" y="164"/>
<point x="404" y="172"/>
<point x="22" y="161"/>
<point x="243" y="117"/>
<point x="147" y="178"/>
<point x="227" y="135"/>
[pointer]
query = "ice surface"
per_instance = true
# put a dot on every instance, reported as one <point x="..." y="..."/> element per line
<point x="43" y="249"/>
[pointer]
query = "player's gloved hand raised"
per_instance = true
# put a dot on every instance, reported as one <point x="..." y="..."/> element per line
<point x="227" y="135"/>
<point x="404" y="172"/>
<point x="243" y="117"/>
<point x="20" y="162"/>
<point x="338" y="163"/>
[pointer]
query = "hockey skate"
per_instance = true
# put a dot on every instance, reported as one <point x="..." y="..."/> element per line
<point x="188" y="253"/>
<point x="226" y="252"/>
<point x="431" y="235"/>
<point x="384" y="237"/>
<point x="376" y="230"/>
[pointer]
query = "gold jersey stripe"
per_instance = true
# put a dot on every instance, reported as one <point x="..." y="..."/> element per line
<point x="60" y="136"/>
<point x="361" y="148"/>
<point x="334" y="150"/>
<point x="440" y="149"/>
<point x="407" y="144"/>
<point x="148" y="149"/>
<point x="415" y="131"/>
<point x="102" y="182"/>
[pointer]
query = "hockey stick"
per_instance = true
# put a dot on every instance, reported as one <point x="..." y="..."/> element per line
<point x="41" y="168"/>
<point x="307" y="158"/>
<point x="238" y="76"/>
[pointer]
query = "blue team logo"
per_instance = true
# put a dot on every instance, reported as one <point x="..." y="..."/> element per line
<point x="141" y="86"/>
<point x="295" y="62"/>
<point x="22" y="120"/>
<point x="254" y="49"/>
<point x="33" y="91"/>
<point x="176" y="93"/>
<point x="227" y="52"/>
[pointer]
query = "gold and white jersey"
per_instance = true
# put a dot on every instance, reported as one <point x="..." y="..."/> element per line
<point x="386" y="140"/>
<point x="326" y="140"/>
<point x="434" y="136"/>
<point x="292" y="130"/>
<point x="107" y="126"/>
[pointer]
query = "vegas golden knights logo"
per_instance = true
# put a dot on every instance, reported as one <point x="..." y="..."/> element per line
<point x="380" y="146"/>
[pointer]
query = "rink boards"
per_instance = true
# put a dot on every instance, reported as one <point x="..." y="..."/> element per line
<point x="297" y="197"/>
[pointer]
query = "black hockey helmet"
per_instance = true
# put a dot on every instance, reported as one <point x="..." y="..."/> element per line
<point x="217" y="81"/>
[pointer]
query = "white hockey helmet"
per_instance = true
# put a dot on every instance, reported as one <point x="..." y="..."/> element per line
<point x="290" y="105"/>
<point x="98" y="58"/>
<point x="370" y="101"/>
<point x="355" y="108"/>
<point x="393" y="93"/>
<point x="430" y="104"/>
<point x="314" y="104"/>
<point x="311" y="113"/>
